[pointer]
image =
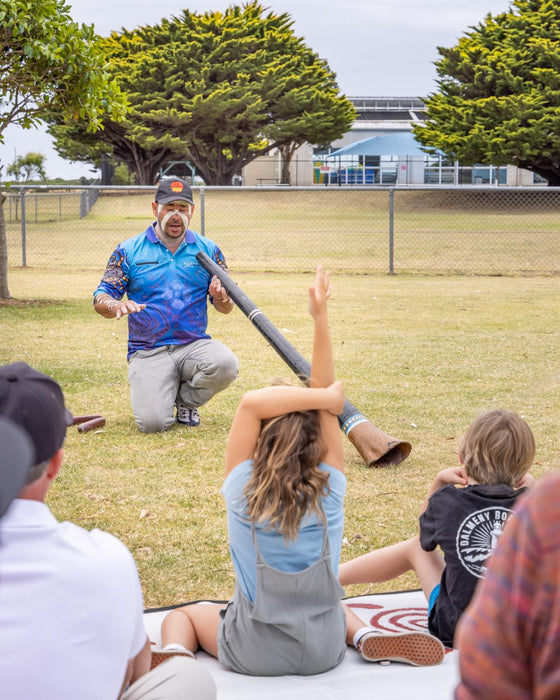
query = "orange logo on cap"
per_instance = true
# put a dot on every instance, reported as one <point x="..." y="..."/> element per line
<point x="176" y="186"/>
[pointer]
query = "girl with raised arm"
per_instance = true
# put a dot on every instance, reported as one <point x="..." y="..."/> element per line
<point x="284" y="489"/>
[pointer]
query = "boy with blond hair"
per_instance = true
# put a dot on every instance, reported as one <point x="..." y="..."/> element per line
<point x="495" y="454"/>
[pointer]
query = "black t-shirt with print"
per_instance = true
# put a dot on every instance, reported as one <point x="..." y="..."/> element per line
<point x="465" y="523"/>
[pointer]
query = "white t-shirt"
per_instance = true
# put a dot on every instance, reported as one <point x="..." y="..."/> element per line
<point x="70" y="608"/>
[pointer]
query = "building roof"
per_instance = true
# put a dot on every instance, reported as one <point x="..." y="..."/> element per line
<point x="398" y="143"/>
<point x="381" y="109"/>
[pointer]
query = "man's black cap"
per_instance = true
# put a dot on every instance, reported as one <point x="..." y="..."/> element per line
<point x="174" y="190"/>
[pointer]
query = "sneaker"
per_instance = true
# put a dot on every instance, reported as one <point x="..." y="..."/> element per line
<point x="414" y="648"/>
<point x="161" y="655"/>
<point x="188" y="416"/>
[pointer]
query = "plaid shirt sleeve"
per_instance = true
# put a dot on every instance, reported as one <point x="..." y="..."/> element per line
<point x="509" y="637"/>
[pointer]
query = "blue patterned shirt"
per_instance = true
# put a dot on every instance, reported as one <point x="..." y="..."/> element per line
<point x="174" y="287"/>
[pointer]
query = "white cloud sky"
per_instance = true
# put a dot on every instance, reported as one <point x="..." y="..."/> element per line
<point x="376" y="47"/>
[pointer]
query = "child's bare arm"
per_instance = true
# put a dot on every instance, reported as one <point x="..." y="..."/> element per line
<point x="452" y="475"/>
<point x="269" y="402"/>
<point x="322" y="365"/>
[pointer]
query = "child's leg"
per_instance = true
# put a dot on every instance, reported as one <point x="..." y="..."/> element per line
<point x="428" y="566"/>
<point x="388" y="563"/>
<point x="192" y="626"/>
<point x="353" y="624"/>
<point x="377" y="566"/>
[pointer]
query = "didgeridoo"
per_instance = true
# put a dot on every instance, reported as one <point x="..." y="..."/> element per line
<point x="87" y="423"/>
<point x="377" y="449"/>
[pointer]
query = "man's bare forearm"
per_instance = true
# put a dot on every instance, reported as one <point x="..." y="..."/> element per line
<point x="108" y="307"/>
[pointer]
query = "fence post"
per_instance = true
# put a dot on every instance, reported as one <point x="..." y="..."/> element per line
<point x="391" y="228"/>
<point x="202" y="212"/>
<point x="23" y="230"/>
<point x="83" y="204"/>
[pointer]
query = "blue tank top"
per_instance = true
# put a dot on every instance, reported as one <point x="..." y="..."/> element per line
<point x="294" y="555"/>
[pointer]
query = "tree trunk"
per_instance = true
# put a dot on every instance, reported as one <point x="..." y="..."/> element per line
<point x="217" y="170"/>
<point x="221" y="177"/>
<point x="287" y="153"/>
<point x="4" y="291"/>
<point x="144" y="163"/>
<point x="145" y="173"/>
<point x="285" y="175"/>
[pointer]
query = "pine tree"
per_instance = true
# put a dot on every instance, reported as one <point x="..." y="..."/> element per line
<point x="499" y="92"/>
<point x="217" y="89"/>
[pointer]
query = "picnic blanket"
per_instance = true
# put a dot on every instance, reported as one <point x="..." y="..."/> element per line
<point x="354" y="677"/>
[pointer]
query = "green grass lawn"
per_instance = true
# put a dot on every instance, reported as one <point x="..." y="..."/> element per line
<point x="419" y="356"/>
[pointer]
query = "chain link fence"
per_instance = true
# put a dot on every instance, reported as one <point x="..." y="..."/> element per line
<point x="359" y="230"/>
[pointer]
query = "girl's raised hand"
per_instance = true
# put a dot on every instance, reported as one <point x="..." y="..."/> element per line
<point x="319" y="292"/>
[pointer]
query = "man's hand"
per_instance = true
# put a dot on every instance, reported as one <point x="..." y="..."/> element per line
<point x="113" y="308"/>
<point x="217" y="291"/>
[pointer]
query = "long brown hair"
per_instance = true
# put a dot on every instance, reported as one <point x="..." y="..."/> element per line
<point x="286" y="482"/>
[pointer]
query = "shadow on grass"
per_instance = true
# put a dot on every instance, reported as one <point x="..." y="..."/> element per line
<point x="26" y="303"/>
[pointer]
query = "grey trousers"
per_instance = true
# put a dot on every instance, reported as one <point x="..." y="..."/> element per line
<point x="186" y="374"/>
<point x="176" y="679"/>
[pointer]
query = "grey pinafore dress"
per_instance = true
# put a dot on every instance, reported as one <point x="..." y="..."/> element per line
<point x="295" y="626"/>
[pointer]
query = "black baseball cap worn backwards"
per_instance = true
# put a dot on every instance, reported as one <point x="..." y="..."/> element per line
<point x="174" y="190"/>
<point x="34" y="402"/>
<point x="17" y="456"/>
